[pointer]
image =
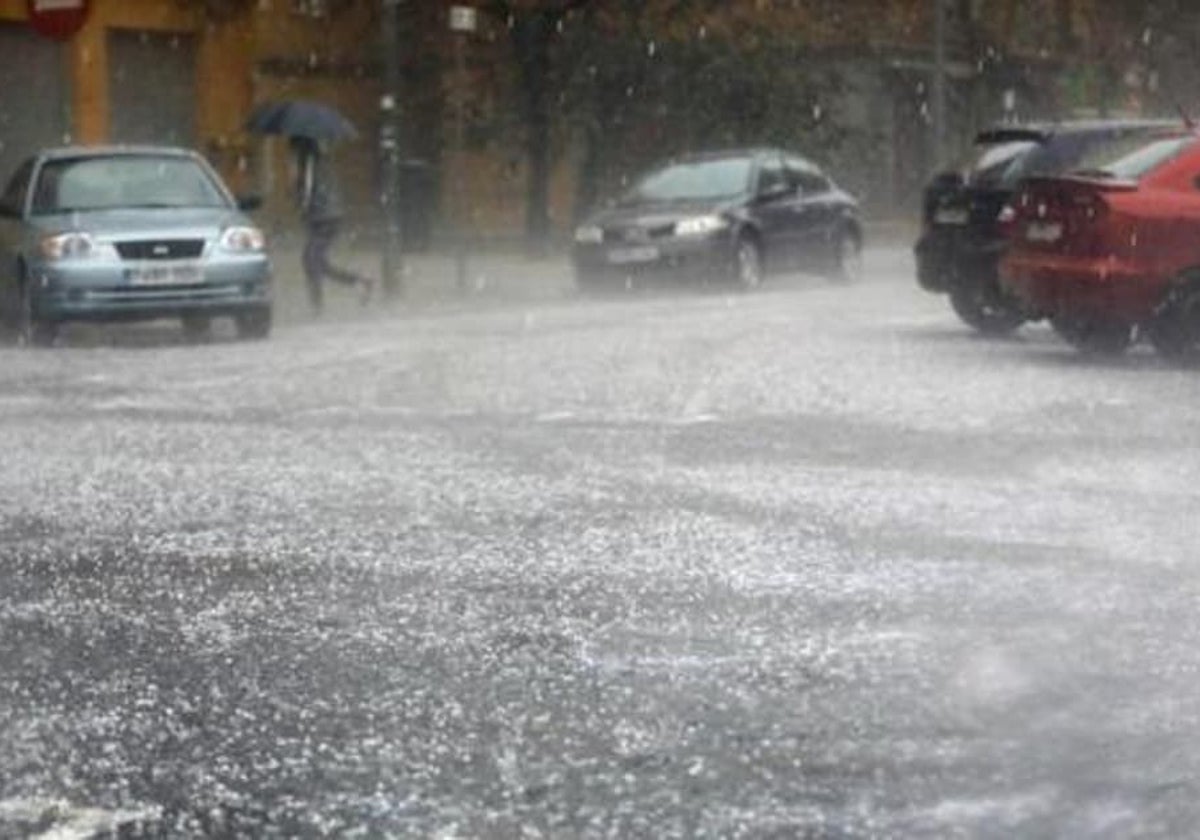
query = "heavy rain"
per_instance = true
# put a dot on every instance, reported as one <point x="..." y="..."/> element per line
<point x="599" y="419"/>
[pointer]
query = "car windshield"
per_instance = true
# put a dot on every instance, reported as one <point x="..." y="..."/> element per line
<point x="987" y="163"/>
<point x="123" y="181"/>
<point x="1131" y="158"/>
<point x="695" y="180"/>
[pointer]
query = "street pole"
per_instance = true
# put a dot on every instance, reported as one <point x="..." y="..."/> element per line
<point x="392" y="258"/>
<point x="463" y="22"/>
<point x="460" y="142"/>
<point x="939" y="82"/>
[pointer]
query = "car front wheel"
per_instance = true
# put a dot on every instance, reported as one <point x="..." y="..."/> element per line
<point x="32" y="330"/>
<point x="747" y="263"/>
<point x="847" y="259"/>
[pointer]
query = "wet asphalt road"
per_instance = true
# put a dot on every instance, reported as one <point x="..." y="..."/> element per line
<point x="812" y="562"/>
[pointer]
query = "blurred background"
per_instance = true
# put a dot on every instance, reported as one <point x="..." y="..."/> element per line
<point x="512" y="117"/>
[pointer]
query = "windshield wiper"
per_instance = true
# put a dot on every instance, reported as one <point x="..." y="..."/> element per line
<point x="1092" y="173"/>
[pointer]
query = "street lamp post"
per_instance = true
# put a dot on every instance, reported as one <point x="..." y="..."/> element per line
<point x="463" y="22"/>
<point x="392" y="258"/>
<point x="939" y="82"/>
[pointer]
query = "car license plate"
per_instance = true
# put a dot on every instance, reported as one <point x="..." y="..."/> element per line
<point x="625" y="256"/>
<point x="165" y="275"/>
<point x="1044" y="231"/>
<point x="951" y="216"/>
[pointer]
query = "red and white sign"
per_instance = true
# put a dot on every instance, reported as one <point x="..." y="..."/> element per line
<point x="57" y="19"/>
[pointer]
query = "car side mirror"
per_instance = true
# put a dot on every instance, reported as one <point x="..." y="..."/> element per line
<point x="249" y="203"/>
<point x="775" y="192"/>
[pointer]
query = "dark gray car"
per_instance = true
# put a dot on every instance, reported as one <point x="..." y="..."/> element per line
<point x="127" y="233"/>
<point x="724" y="216"/>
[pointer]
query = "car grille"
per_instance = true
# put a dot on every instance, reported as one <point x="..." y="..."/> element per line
<point x="638" y="234"/>
<point x="160" y="249"/>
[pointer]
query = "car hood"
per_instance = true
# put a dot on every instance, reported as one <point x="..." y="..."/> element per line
<point x="653" y="213"/>
<point x="143" y="223"/>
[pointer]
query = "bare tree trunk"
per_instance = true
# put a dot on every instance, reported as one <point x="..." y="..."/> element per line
<point x="531" y="39"/>
<point x="1064" y="13"/>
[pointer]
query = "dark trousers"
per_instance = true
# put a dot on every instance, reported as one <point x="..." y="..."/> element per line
<point x="317" y="267"/>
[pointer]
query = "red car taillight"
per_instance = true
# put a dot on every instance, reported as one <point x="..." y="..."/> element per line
<point x="1065" y="218"/>
<point x="1006" y="221"/>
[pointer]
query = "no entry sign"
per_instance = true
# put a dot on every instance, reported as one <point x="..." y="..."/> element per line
<point x="58" y="19"/>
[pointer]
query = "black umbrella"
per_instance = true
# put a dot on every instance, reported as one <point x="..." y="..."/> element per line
<point x="300" y="118"/>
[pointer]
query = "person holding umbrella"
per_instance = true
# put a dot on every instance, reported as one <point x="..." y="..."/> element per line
<point x="320" y="204"/>
<point x="310" y="127"/>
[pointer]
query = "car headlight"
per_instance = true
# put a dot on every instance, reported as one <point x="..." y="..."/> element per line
<point x="589" y="234"/>
<point x="70" y="246"/>
<point x="700" y="226"/>
<point x="243" y="240"/>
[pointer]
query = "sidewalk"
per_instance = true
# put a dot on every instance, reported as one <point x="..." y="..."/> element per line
<point x="429" y="280"/>
<point x="432" y="279"/>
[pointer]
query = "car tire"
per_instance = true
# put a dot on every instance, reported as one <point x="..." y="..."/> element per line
<point x="253" y="324"/>
<point x="1175" y="330"/>
<point x="1094" y="337"/>
<point x="10" y="292"/>
<point x="932" y="275"/>
<point x="982" y="305"/>
<point x="592" y="282"/>
<point x="32" y="330"/>
<point x="197" y="327"/>
<point x="747" y="270"/>
<point x="846" y="261"/>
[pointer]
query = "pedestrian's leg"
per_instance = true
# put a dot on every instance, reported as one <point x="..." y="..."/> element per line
<point x="336" y="273"/>
<point x="313" y="268"/>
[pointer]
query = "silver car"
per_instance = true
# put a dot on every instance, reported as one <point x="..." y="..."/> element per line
<point x="128" y="233"/>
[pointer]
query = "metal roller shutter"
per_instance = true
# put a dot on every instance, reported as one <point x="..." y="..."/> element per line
<point x="34" y="106"/>
<point x="152" y="87"/>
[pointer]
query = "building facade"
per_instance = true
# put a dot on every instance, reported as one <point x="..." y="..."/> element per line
<point x="189" y="72"/>
<point x="627" y="82"/>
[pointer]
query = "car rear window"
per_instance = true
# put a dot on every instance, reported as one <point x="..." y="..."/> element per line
<point x="123" y="181"/>
<point x="986" y="163"/>
<point x="1067" y="152"/>
<point x="1131" y="158"/>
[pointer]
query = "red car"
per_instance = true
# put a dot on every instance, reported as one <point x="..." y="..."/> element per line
<point x="1112" y="250"/>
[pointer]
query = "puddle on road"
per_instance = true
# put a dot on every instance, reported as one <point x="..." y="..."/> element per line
<point x="57" y="819"/>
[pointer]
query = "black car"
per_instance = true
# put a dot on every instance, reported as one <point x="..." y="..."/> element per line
<point x="730" y="217"/>
<point x="963" y="231"/>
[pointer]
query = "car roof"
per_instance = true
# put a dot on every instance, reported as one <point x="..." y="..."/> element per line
<point x="737" y="151"/>
<point x="61" y="152"/>
<point x="1039" y="132"/>
<point x="750" y="152"/>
